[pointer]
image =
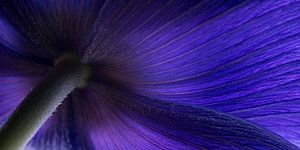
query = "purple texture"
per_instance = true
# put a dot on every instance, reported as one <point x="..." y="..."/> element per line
<point x="183" y="74"/>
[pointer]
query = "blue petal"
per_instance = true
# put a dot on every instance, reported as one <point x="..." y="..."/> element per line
<point x="59" y="132"/>
<point x="16" y="43"/>
<point x="18" y="75"/>
<point x="20" y="68"/>
<point x="55" y="25"/>
<point x="132" y="28"/>
<point x="12" y="91"/>
<point x="115" y="119"/>
<point x="240" y="58"/>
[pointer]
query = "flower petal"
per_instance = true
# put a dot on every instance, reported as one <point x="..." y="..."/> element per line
<point x="12" y="91"/>
<point x="128" y="28"/>
<point x="18" y="75"/>
<point x="17" y="43"/>
<point x="19" y="57"/>
<point x="243" y="60"/>
<point x="54" y="25"/>
<point x="109" y="118"/>
<point x="187" y="66"/>
<point x="59" y="132"/>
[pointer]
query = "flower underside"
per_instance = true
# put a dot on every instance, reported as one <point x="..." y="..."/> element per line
<point x="182" y="74"/>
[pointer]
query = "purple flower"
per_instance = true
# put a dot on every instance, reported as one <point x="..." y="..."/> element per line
<point x="182" y="74"/>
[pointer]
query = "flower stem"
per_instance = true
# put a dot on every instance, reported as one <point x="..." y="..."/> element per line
<point x="42" y="101"/>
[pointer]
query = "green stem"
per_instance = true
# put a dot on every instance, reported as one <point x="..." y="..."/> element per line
<point x="42" y="101"/>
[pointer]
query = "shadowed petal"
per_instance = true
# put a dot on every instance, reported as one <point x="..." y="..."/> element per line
<point x="12" y="91"/>
<point x="18" y="44"/>
<point x="54" y="25"/>
<point x="238" y="58"/>
<point x="265" y="40"/>
<point x="125" y="30"/>
<point x="114" y="119"/>
<point x="242" y="59"/>
<point x="59" y="132"/>
<point x="18" y="75"/>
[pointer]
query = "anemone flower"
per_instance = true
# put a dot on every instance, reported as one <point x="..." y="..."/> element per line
<point x="182" y="74"/>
